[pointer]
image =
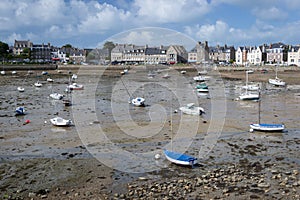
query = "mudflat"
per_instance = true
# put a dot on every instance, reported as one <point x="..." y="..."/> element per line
<point x="41" y="161"/>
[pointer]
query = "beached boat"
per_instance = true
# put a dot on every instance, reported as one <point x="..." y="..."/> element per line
<point x="203" y="72"/>
<point x="20" y="111"/>
<point x="202" y="87"/>
<point x="44" y="73"/>
<point x="38" y="84"/>
<point x="56" y="96"/>
<point x="58" y="121"/>
<point x="183" y="72"/>
<point x="176" y="157"/>
<point x="166" y="76"/>
<point x="191" y="109"/>
<point x="263" y="126"/>
<point x="74" y="77"/>
<point x="49" y="79"/>
<point x="75" y="86"/>
<point x="2" y="72"/>
<point x="179" y="158"/>
<point x="201" y="78"/>
<point x="248" y="95"/>
<point x="14" y="72"/>
<point x="139" y="101"/>
<point x="276" y="81"/>
<point x="20" y="89"/>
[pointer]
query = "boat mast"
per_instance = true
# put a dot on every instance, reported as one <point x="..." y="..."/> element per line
<point x="126" y="89"/>
<point x="259" y="102"/>
<point x="171" y="126"/>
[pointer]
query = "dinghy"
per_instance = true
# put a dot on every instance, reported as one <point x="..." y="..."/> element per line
<point x="20" y="111"/>
<point x="58" y="121"/>
<point x="191" y="109"/>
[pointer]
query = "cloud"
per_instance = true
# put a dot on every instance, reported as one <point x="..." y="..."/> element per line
<point x="170" y="11"/>
<point x="272" y="13"/>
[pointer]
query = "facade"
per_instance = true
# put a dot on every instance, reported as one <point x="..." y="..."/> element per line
<point x="277" y="53"/>
<point x="41" y="52"/>
<point x="200" y="53"/>
<point x="176" y="54"/>
<point x="20" y="45"/>
<point x="256" y="55"/>
<point x="222" y="53"/>
<point x="134" y="54"/>
<point x="294" y="56"/>
<point x="156" y="55"/>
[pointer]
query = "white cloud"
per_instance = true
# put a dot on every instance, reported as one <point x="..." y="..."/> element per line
<point x="170" y="11"/>
<point x="272" y="13"/>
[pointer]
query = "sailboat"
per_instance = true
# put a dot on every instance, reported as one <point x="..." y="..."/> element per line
<point x="176" y="157"/>
<point x="247" y="86"/>
<point x="265" y="127"/>
<point x="248" y="95"/>
<point x="276" y="81"/>
<point x="138" y="101"/>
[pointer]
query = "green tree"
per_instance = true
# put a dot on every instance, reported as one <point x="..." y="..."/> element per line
<point x="67" y="46"/>
<point x="109" y="45"/>
<point x="4" y="48"/>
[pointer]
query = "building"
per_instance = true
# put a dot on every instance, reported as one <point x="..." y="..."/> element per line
<point x="41" y="52"/>
<point x="176" y="54"/>
<point x="156" y="55"/>
<point x="294" y="56"/>
<point x="223" y="54"/>
<point x="134" y="54"/>
<point x="256" y="55"/>
<point x="277" y="53"/>
<point x="20" y="45"/>
<point x="241" y="56"/>
<point x="199" y="54"/>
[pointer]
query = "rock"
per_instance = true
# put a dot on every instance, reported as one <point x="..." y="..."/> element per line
<point x="263" y="185"/>
<point x="31" y="195"/>
<point x="44" y="196"/>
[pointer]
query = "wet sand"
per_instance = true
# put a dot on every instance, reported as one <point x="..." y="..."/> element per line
<point x="39" y="160"/>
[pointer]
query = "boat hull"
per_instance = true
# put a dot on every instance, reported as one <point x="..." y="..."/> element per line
<point x="267" y="127"/>
<point x="249" y="97"/>
<point x="180" y="159"/>
<point x="277" y="82"/>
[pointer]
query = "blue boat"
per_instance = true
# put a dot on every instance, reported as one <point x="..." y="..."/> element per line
<point x="20" y="111"/>
<point x="267" y="127"/>
<point x="179" y="158"/>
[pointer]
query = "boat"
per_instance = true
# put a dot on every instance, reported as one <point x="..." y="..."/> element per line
<point x="58" y="121"/>
<point x="75" y="86"/>
<point x="251" y="87"/>
<point x="248" y="95"/>
<point x="191" y="109"/>
<point x="21" y="89"/>
<point x="183" y="72"/>
<point x="139" y="101"/>
<point x="202" y="87"/>
<point x="166" y="76"/>
<point x="44" y="73"/>
<point x="201" y="78"/>
<point x="56" y="96"/>
<point x="67" y="102"/>
<point x="125" y="71"/>
<point x="180" y="158"/>
<point x="2" y="72"/>
<point x="204" y="72"/>
<point x="265" y="127"/>
<point x="276" y="81"/>
<point x="176" y="157"/>
<point x="74" y="77"/>
<point x="38" y="84"/>
<point x="14" y="72"/>
<point x="20" y="111"/>
<point x="49" y="79"/>
<point x="151" y="74"/>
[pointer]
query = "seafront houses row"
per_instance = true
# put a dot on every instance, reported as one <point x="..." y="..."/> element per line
<point x="277" y="53"/>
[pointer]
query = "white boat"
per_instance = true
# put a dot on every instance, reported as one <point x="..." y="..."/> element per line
<point x="201" y="78"/>
<point x="2" y="72"/>
<point x="263" y="126"/>
<point x="58" y="121"/>
<point x="44" y="73"/>
<point x="38" y="84"/>
<point x="191" y="109"/>
<point x="20" y="111"/>
<point x="276" y="81"/>
<point x="14" y="72"/>
<point x="75" y="86"/>
<point x="74" y="77"/>
<point x="251" y="87"/>
<point x="205" y="90"/>
<point x="139" y="101"/>
<point x="21" y="89"/>
<point x="248" y="95"/>
<point x="204" y="72"/>
<point x="49" y="79"/>
<point x="183" y="72"/>
<point x="166" y="76"/>
<point x="56" y="96"/>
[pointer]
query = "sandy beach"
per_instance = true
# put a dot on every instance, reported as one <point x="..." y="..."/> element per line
<point x="41" y="161"/>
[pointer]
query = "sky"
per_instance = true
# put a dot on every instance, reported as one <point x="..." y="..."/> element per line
<point x="88" y="24"/>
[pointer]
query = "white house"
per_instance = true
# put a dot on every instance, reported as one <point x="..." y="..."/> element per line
<point x="255" y="55"/>
<point x="294" y="56"/>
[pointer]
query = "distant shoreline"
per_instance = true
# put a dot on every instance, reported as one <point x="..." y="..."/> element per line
<point x="121" y="67"/>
